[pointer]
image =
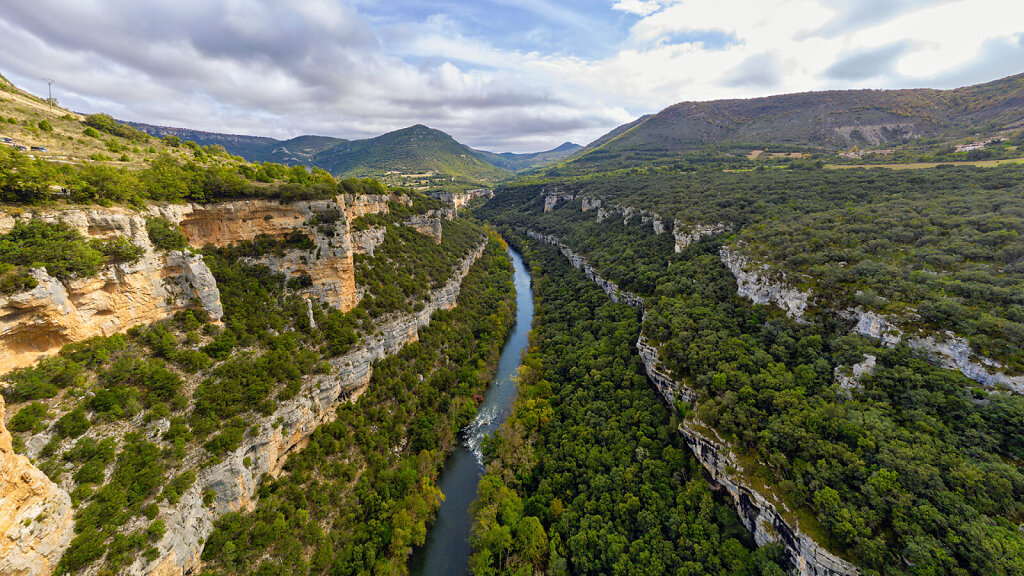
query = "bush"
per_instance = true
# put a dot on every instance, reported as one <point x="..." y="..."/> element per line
<point x="29" y="419"/>
<point x="165" y="235"/>
<point x="106" y="123"/>
<point x="72" y="425"/>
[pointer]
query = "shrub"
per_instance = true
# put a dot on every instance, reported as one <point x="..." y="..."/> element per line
<point x="72" y="425"/>
<point x="29" y="419"/>
<point x="165" y="235"/>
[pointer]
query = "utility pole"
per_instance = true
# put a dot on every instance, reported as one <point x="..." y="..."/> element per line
<point x="49" y="91"/>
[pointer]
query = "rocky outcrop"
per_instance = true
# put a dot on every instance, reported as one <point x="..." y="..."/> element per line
<point x="950" y="351"/>
<point x="758" y="512"/>
<point x="874" y="325"/>
<point x="955" y="353"/>
<point x="35" y="514"/>
<point x="587" y="204"/>
<point x="849" y="378"/>
<point x="426" y="225"/>
<point x="761" y="514"/>
<point x="460" y="200"/>
<point x="288" y="429"/>
<point x="367" y="241"/>
<point x="686" y="235"/>
<point x="38" y="322"/>
<point x="754" y="283"/>
<point x="553" y="199"/>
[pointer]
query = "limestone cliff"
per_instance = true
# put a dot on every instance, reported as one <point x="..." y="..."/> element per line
<point x="40" y="321"/>
<point x="286" y="430"/>
<point x="686" y="235"/>
<point x="35" y="514"/>
<point x="757" y="511"/>
<point x="754" y="282"/>
<point x="327" y="222"/>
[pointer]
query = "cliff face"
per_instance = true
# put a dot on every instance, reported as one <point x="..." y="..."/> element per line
<point x="330" y="264"/>
<point x="758" y="512"/>
<point x="753" y="283"/>
<point x="40" y="321"/>
<point x="35" y="514"/>
<point x="190" y="521"/>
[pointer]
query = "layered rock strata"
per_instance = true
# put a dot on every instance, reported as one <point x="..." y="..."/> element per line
<point x="38" y="322"/>
<point x="288" y="429"/>
<point x="35" y="514"/>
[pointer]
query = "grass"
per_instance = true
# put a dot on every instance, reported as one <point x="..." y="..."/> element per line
<point x="922" y="165"/>
<point x="67" y="143"/>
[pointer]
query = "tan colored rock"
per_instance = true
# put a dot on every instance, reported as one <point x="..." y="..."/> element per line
<point x="40" y="321"/>
<point x="35" y="514"/>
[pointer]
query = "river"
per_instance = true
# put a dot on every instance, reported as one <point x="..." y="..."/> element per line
<point x="446" y="550"/>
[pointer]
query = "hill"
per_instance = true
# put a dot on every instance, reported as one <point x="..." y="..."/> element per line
<point x="822" y="121"/>
<point x="417" y="155"/>
<point x="522" y="162"/>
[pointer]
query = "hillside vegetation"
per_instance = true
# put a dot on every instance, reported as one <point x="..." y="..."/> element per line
<point x="912" y="467"/>
<point x="812" y="122"/>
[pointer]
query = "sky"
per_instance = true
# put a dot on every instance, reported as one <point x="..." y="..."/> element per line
<point x="500" y="75"/>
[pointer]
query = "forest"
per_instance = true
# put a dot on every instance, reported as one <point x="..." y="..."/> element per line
<point x="914" y="469"/>
<point x="588" y="475"/>
<point x="937" y="249"/>
<point x="129" y="422"/>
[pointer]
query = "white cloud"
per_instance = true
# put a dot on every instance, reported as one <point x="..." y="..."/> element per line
<point x="318" y="66"/>
<point x="638" y="7"/>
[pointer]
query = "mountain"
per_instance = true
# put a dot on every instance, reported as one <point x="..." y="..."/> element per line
<point x="829" y="121"/>
<point x="414" y="151"/>
<point x="521" y="162"/>
<point x="417" y="155"/>
<point x="300" y="150"/>
<point x="251" y="148"/>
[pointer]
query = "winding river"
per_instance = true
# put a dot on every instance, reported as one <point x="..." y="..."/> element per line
<point x="446" y="551"/>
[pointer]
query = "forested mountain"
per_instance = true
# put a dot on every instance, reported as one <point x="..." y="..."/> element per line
<point x="826" y="121"/>
<point x="521" y="162"/>
<point x="410" y="151"/>
<point x="414" y="150"/>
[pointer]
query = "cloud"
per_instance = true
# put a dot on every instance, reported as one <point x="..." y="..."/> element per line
<point x="870" y="63"/>
<point x="504" y="74"/>
<point x="638" y="7"/>
<point x="761" y="71"/>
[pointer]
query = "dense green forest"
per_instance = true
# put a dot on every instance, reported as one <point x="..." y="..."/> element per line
<point x="588" y="475"/>
<point x="916" y="470"/>
<point x="937" y="249"/>
<point x="167" y="400"/>
<point x="360" y="495"/>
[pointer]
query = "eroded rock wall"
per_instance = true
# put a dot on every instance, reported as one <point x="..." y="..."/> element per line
<point x="35" y="514"/>
<point x="234" y="483"/>
<point x="757" y="512"/>
<point x="753" y="282"/>
<point x="38" y="322"/>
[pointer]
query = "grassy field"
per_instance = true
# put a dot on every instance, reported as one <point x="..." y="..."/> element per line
<point x="21" y="113"/>
<point x="920" y="165"/>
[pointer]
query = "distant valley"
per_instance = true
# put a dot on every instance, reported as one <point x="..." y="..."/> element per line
<point x="418" y="156"/>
